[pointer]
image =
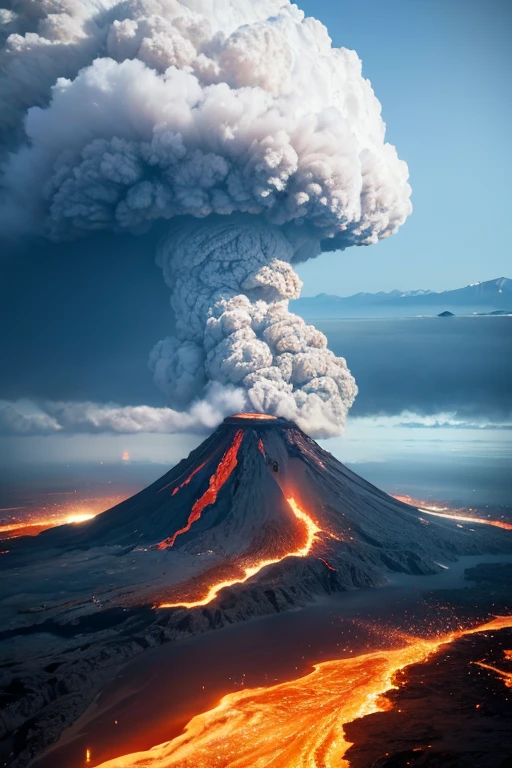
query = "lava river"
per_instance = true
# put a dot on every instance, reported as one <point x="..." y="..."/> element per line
<point x="217" y="480"/>
<point x="312" y="531"/>
<point x="297" y="724"/>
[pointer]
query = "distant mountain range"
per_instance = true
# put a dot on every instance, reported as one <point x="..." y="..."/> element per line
<point x="492" y="296"/>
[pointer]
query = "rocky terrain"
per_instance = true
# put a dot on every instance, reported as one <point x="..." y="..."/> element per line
<point x="450" y="711"/>
<point x="78" y="601"/>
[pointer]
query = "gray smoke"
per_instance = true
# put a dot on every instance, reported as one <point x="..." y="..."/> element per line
<point x="239" y="124"/>
<point x="231" y="281"/>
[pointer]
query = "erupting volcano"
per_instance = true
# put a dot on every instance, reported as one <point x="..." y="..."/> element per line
<point x="260" y="503"/>
<point x="258" y="519"/>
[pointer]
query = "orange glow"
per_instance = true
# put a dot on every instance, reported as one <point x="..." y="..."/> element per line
<point x="257" y="416"/>
<point x="217" y="480"/>
<point x="126" y="456"/>
<point x="327" y="564"/>
<point x="80" y="518"/>
<point x="505" y="676"/>
<point x="87" y="755"/>
<point x="298" y="724"/>
<point x="186" y="481"/>
<point x="261" y="447"/>
<point x="455" y="514"/>
<point x="468" y="519"/>
<point x="40" y="519"/>
<point x="312" y="531"/>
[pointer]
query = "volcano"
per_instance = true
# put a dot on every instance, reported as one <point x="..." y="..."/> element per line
<point x="260" y="502"/>
<point x="258" y="519"/>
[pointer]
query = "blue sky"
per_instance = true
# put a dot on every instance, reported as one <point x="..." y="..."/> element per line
<point x="441" y="70"/>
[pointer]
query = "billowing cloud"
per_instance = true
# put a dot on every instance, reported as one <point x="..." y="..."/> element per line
<point x="241" y="115"/>
<point x="50" y="417"/>
<point x="25" y="418"/>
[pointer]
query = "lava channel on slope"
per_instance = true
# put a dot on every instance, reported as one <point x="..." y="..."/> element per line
<point x="185" y="482"/>
<point x="217" y="480"/>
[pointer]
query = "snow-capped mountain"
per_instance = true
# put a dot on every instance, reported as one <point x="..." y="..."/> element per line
<point x="489" y="296"/>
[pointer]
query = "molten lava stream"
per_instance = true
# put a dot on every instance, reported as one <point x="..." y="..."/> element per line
<point x="217" y="480"/>
<point x="312" y="531"/>
<point x="73" y="512"/>
<point x="455" y="515"/>
<point x="254" y="416"/>
<point x="299" y="724"/>
<point x="186" y="481"/>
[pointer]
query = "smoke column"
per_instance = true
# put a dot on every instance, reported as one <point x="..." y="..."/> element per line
<point x="239" y="125"/>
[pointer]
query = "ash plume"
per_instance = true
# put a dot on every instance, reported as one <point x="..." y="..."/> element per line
<point x="239" y="125"/>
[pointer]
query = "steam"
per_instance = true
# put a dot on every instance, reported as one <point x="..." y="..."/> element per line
<point x="242" y="127"/>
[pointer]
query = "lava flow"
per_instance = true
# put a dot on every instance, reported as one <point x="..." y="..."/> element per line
<point x="254" y="416"/>
<point x="186" y="481"/>
<point x="298" y="724"/>
<point x="40" y="519"/>
<point x="312" y="530"/>
<point x="217" y="480"/>
<point x="453" y="514"/>
<point x="505" y="676"/>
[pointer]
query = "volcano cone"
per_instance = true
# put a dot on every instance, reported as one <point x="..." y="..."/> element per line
<point x="261" y="502"/>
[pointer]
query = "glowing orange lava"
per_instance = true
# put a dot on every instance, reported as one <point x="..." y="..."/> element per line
<point x="40" y="519"/>
<point x="298" y="724"/>
<point x="312" y="531"/>
<point x="257" y="416"/>
<point x="453" y="514"/>
<point x="186" y="481"/>
<point x="261" y="447"/>
<point x="217" y="480"/>
<point x="505" y="676"/>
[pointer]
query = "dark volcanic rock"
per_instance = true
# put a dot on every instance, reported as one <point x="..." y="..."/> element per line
<point x="448" y="712"/>
<point x="79" y="600"/>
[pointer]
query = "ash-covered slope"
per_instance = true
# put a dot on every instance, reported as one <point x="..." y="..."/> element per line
<point x="258" y="519"/>
<point x="256" y="493"/>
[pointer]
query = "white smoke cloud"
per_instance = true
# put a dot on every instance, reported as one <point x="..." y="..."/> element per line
<point x="26" y="418"/>
<point x="15" y="420"/>
<point x="249" y="339"/>
<point x="126" y="113"/>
